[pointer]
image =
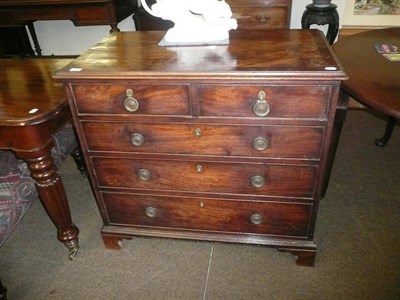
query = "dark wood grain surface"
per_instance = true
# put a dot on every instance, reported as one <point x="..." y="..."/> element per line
<point x="277" y="53"/>
<point x="373" y="79"/>
<point x="28" y="93"/>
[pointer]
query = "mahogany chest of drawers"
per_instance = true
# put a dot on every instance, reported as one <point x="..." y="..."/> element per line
<point x="218" y="143"/>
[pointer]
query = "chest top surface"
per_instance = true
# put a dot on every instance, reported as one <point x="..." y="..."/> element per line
<point x="271" y="54"/>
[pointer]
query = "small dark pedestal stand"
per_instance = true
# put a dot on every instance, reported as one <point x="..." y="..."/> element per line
<point x="322" y="16"/>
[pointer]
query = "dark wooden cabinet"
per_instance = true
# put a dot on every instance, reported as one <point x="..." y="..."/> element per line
<point x="250" y="14"/>
<point x="80" y="12"/>
<point x="17" y="14"/>
<point x="226" y="143"/>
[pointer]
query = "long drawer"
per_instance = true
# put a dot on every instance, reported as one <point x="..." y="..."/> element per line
<point x="274" y="218"/>
<point x="200" y="139"/>
<point x="206" y="177"/>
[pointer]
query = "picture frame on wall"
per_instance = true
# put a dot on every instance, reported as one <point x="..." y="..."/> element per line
<point x="371" y="13"/>
<point x="376" y="7"/>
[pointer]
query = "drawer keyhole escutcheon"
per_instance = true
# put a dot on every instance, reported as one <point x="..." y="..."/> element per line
<point x="197" y="132"/>
<point x="257" y="181"/>
<point x="260" y="143"/>
<point x="261" y="108"/>
<point x="256" y="219"/>
<point x="137" y="139"/>
<point x="144" y="174"/>
<point x="130" y="103"/>
<point x="199" y="168"/>
<point x="151" y="212"/>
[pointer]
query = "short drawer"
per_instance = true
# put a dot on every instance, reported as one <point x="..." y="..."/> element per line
<point x="274" y="101"/>
<point x="261" y="17"/>
<point x="200" y="139"/>
<point x="206" y="177"/>
<point x="273" y="218"/>
<point x="132" y="99"/>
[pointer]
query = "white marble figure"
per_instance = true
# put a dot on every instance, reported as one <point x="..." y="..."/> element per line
<point x="195" y="21"/>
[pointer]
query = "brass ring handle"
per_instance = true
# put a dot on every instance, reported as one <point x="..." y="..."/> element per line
<point x="130" y="103"/>
<point x="261" y="108"/>
<point x="257" y="181"/>
<point x="151" y="212"/>
<point x="260" y="143"/>
<point x="137" y="139"/>
<point x="144" y="174"/>
<point x="256" y="219"/>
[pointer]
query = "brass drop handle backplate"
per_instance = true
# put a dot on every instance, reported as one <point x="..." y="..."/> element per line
<point x="256" y="219"/>
<point x="137" y="139"/>
<point x="130" y="103"/>
<point x="257" y="181"/>
<point x="144" y="174"/>
<point x="260" y="143"/>
<point x="151" y="212"/>
<point x="261" y="108"/>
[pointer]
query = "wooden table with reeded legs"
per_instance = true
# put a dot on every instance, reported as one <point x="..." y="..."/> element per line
<point x="374" y="80"/>
<point x="33" y="107"/>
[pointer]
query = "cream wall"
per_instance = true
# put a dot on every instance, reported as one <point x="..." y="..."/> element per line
<point x="63" y="38"/>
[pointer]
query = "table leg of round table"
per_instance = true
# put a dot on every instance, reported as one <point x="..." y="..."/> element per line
<point x="382" y="142"/>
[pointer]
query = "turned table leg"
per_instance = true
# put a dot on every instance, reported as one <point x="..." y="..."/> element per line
<point x="114" y="28"/>
<point x="53" y="196"/>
